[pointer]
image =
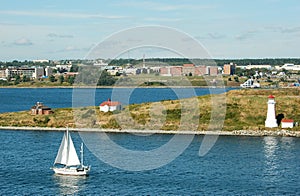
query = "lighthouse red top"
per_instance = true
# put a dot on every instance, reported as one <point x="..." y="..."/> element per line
<point x="271" y="97"/>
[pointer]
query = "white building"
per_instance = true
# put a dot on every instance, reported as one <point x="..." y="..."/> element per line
<point x="269" y="67"/>
<point x="41" y="61"/>
<point x="110" y="106"/>
<point x="287" y="123"/>
<point x="290" y="67"/>
<point x="271" y="117"/>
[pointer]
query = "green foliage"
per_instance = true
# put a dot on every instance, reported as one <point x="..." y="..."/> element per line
<point x="106" y="79"/>
<point x="17" y="80"/>
<point x="61" y="79"/>
<point x="4" y="83"/>
<point x="172" y="114"/>
<point x="52" y="78"/>
<point x="42" y="122"/>
<point x="71" y="79"/>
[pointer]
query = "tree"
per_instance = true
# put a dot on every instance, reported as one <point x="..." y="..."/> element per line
<point x="106" y="79"/>
<point x="52" y="78"/>
<point x="25" y="78"/>
<point x="61" y="79"/>
<point x="17" y="79"/>
<point x="74" y="68"/>
<point x="71" y="79"/>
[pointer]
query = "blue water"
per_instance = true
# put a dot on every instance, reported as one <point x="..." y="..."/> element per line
<point x="13" y="99"/>
<point x="234" y="165"/>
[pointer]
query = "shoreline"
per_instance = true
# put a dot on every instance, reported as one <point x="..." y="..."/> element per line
<point x="261" y="133"/>
<point x="99" y="87"/>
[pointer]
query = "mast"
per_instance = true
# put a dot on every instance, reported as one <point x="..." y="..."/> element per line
<point x="81" y="153"/>
<point x="68" y="145"/>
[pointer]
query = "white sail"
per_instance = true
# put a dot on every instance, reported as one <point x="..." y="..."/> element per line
<point x="61" y="157"/>
<point x="72" y="155"/>
<point x="67" y="154"/>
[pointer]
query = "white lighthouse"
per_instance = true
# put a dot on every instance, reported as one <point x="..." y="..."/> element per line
<point x="271" y="117"/>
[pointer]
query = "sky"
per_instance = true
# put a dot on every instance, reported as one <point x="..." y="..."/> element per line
<point x="229" y="29"/>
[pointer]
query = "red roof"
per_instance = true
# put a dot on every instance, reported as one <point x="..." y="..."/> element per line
<point x="271" y="97"/>
<point x="188" y="65"/>
<point x="287" y="120"/>
<point x="110" y="103"/>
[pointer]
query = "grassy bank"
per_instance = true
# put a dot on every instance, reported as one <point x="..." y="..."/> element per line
<point x="245" y="110"/>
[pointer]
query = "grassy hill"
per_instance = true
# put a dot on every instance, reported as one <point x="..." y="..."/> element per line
<point x="245" y="110"/>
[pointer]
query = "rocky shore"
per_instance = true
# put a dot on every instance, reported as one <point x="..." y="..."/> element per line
<point x="280" y="133"/>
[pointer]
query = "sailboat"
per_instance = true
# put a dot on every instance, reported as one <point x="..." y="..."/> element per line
<point x="67" y="162"/>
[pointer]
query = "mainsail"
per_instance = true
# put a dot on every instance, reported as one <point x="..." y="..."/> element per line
<point x="67" y="154"/>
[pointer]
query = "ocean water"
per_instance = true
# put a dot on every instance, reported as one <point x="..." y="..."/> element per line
<point x="233" y="166"/>
<point x="18" y="99"/>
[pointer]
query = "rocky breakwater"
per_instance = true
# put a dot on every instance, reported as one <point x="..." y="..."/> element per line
<point x="283" y="132"/>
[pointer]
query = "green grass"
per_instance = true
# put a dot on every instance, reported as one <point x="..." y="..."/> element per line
<point x="245" y="109"/>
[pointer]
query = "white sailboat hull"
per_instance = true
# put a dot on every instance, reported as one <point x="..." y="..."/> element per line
<point x="73" y="171"/>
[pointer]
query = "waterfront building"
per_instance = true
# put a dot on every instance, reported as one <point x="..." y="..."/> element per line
<point x="38" y="72"/>
<point x="229" y="69"/>
<point x="188" y="69"/>
<point x="271" y="117"/>
<point x="110" y="106"/>
<point x="287" y="123"/>
<point x="21" y="71"/>
<point x="40" y="109"/>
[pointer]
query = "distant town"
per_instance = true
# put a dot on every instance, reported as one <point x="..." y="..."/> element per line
<point x="236" y="72"/>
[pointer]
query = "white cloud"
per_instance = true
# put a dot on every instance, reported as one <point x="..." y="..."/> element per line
<point x="22" y="42"/>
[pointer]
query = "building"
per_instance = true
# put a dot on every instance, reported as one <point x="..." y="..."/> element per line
<point x="176" y="70"/>
<point x="201" y="70"/>
<point x="188" y="69"/>
<point x="229" y="69"/>
<point x="165" y="71"/>
<point x="132" y="71"/>
<point x="24" y="71"/>
<point x="38" y="73"/>
<point x="2" y="74"/>
<point x="40" y="109"/>
<point x="110" y="106"/>
<point x="41" y="61"/>
<point x="213" y="70"/>
<point x="268" y="67"/>
<point x="287" y="123"/>
<point x="271" y="117"/>
<point x="290" y="67"/>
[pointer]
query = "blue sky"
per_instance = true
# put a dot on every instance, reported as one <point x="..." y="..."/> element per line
<point x="63" y="29"/>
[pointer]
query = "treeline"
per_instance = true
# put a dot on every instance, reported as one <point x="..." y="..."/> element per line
<point x="24" y="63"/>
<point x="219" y="62"/>
<point x="163" y="61"/>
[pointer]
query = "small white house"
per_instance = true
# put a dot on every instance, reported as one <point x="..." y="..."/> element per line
<point x="110" y="106"/>
<point x="287" y="123"/>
